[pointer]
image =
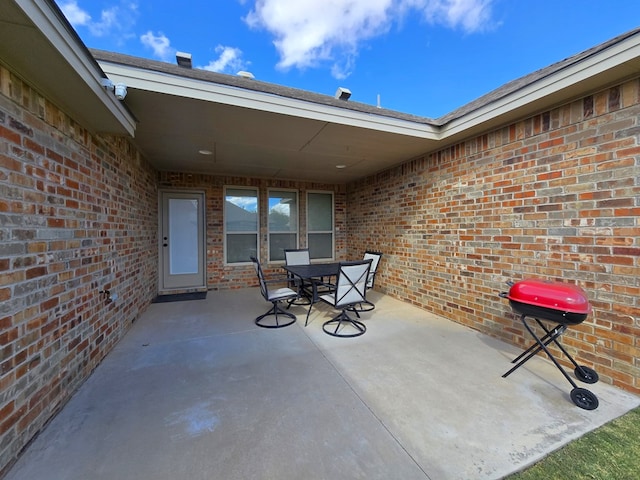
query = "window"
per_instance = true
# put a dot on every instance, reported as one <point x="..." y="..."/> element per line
<point x="283" y="223"/>
<point x="241" y="224"/>
<point x="320" y="225"/>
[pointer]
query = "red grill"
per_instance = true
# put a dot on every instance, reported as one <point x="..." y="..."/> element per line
<point x="561" y="303"/>
<point x="555" y="301"/>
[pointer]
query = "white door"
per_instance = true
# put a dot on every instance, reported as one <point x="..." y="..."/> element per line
<point x="182" y="246"/>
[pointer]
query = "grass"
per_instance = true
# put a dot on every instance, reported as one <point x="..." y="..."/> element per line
<point x="611" y="452"/>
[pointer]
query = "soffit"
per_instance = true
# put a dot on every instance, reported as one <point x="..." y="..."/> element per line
<point x="38" y="44"/>
<point x="259" y="129"/>
<point x="260" y="133"/>
<point x="600" y="67"/>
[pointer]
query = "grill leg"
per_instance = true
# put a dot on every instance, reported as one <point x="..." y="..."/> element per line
<point x="584" y="374"/>
<point x="550" y="336"/>
<point x="581" y="397"/>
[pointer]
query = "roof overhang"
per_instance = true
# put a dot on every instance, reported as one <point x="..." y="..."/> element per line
<point x="256" y="132"/>
<point x="586" y="73"/>
<point x="257" y="129"/>
<point x="38" y="44"/>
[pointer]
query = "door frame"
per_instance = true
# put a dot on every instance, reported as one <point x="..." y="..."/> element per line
<point x="200" y="194"/>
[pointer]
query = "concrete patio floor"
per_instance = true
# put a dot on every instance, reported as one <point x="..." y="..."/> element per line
<point x="196" y="391"/>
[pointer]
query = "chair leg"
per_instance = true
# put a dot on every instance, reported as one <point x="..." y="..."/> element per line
<point x="275" y="311"/>
<point x="301" y="300"/>
<point x="342" y="321"/>
<point x="365" y="306"/>
<point x="308" y="312"/>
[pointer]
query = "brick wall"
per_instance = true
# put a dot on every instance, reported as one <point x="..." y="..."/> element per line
<point x="78" y="214"/>
<point x="220" y="276"/>
<point x="555" y="196"/>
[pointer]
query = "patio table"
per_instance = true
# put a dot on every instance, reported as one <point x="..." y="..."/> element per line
<point x="313" y="273"/>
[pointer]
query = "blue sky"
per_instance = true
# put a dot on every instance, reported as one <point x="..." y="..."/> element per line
<point x="424" y="57"/>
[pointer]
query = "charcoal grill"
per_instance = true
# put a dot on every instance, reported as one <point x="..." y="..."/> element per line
<point x="560" y="303"/>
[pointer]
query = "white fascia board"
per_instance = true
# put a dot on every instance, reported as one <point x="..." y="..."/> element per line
<point x="46" y="20"/>
<point x="225" y="94"/>
<point x="563" y="79"/>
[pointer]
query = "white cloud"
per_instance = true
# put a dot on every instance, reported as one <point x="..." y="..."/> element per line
<point x="160" y="44"/>
<point x="76" y="15"/>
<point x="229" y="60"/>
<point x="247" y="203"/>
<point x="108" y="22"/>
<point x="471" y="15"/>
<point x="308" y="32"/>
<point x="116" y="21"/>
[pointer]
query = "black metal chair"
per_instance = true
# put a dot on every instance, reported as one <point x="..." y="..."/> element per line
<point x="298" y="256"/>
<point x="274" y="296"/>
<point x="375" y="261"/>
<point x="350" y="290"/>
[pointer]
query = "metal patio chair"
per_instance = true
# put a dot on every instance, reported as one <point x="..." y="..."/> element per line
<point x="275" y="296"/>
<point x="375" y="261"/>
<point x="350" y="290"/>
<point x="298" y="256"/>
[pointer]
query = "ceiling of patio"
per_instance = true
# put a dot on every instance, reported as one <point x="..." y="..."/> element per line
<point x="173" y="130"/>
<point x="257" y="129"/>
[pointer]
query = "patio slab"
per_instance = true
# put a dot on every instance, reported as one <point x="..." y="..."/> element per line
<point x="195" y="390"/>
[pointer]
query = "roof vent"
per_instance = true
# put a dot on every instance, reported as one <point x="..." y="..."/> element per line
<point x="343" y="93"/>
<point x="183" y="59"/>
<point x="244" y="74"/>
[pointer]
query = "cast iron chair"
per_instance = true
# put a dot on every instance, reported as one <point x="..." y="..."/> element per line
<point x="274" y="296"/>
<point x="297" y="256"/>
<point x="350" y="290"/>
<point x="375" y="260"/>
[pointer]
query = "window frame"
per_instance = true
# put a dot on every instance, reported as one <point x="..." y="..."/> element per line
<point x="226" y="233"/>
<point x="333" y="224"/>
<point x="297" y="220"/>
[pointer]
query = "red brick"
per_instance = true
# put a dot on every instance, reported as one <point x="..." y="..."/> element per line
<point x="35" y="272"/>
<point x="9" y="135"/>
<point x="449" y="246"/>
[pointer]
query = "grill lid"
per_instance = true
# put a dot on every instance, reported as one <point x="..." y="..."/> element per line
<point x="547" y="294"/>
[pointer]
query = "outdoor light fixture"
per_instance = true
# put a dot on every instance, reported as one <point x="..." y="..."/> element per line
<point x="183" y="59"/>
<point x="343" y="93"/>
<point x="119" y="89"/>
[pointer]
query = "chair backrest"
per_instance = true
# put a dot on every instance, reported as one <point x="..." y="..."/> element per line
<point x="297" y="256"/>
<point x="351" y="284"/>
<point x="375" y="260"/>
<point x="263" y="284"/>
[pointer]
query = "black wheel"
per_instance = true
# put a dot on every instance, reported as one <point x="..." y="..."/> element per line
<point x="586" y="374"/>
<point x="584" y="398"/>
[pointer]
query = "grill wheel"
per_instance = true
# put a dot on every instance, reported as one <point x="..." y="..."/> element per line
<point x="583" y="398"/>
<point x="586" y="374"/>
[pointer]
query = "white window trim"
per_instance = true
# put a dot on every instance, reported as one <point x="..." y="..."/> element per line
<point x="269" y="232"/>
<point x="333" y="224"/>
<point x="224" y="224"/>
